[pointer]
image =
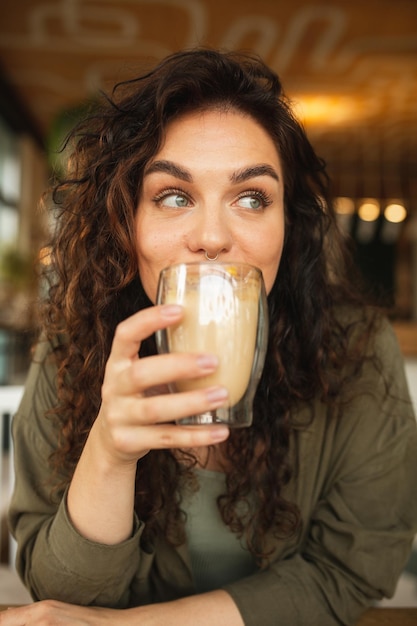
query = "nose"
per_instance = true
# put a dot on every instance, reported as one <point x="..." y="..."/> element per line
<point x="211" y="232"/>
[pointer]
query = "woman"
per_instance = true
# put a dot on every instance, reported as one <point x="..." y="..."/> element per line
<point x="121" y="516"/>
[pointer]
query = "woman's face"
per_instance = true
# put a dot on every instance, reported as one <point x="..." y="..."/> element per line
<point x="215" y="185"/>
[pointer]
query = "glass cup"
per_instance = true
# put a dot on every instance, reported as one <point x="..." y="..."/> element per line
<point x="226" y="314"/>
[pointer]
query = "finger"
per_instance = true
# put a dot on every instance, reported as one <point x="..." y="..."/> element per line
<point x="139" y="425"/>
<point x="155" y="371"/>
<point x="132" y="331"/>
<point x="35" y="613"/>
<point x="14" y="616"/>
<point x="171" y="436"/>
<point x="175" y="406"/>
<point x="130" y="412"/>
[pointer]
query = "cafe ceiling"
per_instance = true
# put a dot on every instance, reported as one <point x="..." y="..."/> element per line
<point x="349" y="65"/>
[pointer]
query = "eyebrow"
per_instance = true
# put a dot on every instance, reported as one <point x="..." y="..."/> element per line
<point x="168" y="167"/>
<point x="252" y="172"/>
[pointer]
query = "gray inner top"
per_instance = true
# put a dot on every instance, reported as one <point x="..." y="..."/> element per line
<point x="217" y="554"/>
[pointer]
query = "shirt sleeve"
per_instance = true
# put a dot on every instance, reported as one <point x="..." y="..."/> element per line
<point x="53" y="559"/>
<point x="358" y="470"/>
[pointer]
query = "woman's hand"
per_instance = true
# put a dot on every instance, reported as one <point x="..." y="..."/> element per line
<point x="137" y="412"/>
<point x="215" y="607"/>
<point x="53" y="613"/>
<point x="133" y="419"/>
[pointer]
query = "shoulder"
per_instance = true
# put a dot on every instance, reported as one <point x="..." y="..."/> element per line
<point x="372" y="348"/>
<point x="40" y="391"/>
<point x="375" y="418"/>
<point x="372" y="406"/>
<point x="43" y="369"/>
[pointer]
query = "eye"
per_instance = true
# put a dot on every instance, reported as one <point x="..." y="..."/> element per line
<point x="254" y="200"/>
<point x="250" y="202"/>
<point x="172" y="198"/>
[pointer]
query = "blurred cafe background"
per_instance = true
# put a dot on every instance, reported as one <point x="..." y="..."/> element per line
<point x="350" y="67"/>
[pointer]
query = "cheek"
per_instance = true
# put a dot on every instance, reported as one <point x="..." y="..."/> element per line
<point x="156" y="248"/>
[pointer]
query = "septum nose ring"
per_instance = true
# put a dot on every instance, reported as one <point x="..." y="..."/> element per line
<point x="209" y="258"/>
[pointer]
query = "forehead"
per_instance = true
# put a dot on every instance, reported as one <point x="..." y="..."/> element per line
<point x="217" y="131"/>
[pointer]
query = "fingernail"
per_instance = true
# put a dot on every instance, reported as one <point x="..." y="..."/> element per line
<point x="171" y="310"/>
<point x="217" y="395"/>
<point x="207" y="362"/>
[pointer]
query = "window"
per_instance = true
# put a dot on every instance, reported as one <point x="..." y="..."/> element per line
<point x="9" y="186"/>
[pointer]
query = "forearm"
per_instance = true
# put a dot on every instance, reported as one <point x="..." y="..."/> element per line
<point x="216" y="607"/>
<point x="101" y="497"/>
<point x="211" y="608"/>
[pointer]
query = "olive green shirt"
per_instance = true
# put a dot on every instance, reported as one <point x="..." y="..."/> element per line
<point x="354" y="484"/>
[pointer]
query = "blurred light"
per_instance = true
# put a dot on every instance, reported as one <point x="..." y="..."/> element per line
<point x="369" y="210"/>
<point x="368" y="213"/>
<point x="395" y="212"/>
<point x="45" y="255"/>
<point x="344" y="206"/>
<point x="326" y="109"/>
<point x="9" y="224"/>
<point x="345" y="209"/>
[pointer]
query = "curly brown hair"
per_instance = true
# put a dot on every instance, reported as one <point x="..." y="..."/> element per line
<point x="94" y="282"/>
